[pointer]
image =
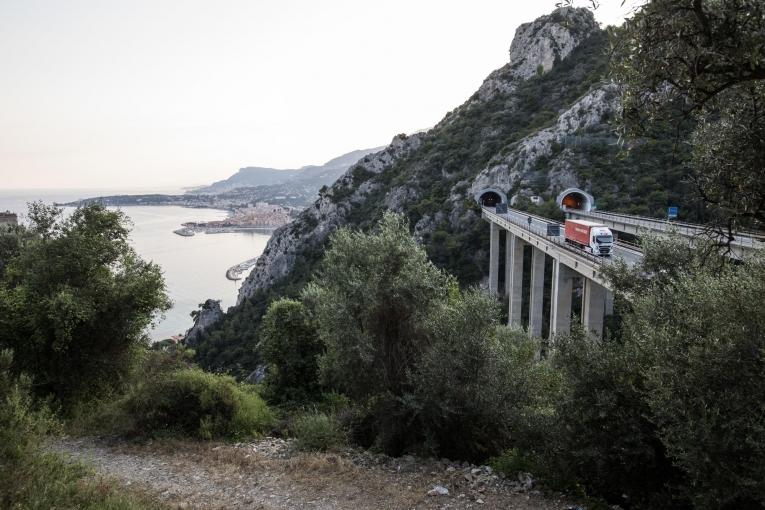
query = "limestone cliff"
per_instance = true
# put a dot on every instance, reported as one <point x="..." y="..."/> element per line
<point x="537" y="46"/>
<point x="329" y="212"/>
<point x="517" y="163"/>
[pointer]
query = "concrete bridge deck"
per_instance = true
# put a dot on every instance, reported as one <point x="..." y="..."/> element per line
<point x="630" y="253"/>
<point x="742" y="242"/>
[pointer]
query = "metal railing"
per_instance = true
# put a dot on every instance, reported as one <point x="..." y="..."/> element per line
<point x="744" y="238"/>
<point x="514" y="217"/>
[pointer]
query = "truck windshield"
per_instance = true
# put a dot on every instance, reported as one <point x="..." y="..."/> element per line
<point x="604" y="239"/>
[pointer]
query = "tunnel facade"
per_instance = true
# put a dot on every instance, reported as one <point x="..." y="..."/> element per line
<point x="575" y="198"/>
<point x="490" y="197"/>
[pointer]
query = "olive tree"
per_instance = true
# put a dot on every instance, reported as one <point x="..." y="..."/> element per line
<point x="371" y="298"/>
<point x="289" y="344"/>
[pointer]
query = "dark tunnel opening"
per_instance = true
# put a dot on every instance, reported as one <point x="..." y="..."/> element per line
<point x="490" y="199"/>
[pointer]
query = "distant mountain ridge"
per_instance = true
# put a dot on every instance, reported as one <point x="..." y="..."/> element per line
<point x="311" y="175"/>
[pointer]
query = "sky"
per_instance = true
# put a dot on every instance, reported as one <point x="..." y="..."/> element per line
<point x="166" y="93"/>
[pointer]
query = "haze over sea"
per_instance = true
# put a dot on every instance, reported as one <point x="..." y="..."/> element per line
<point x="194" y="267"/>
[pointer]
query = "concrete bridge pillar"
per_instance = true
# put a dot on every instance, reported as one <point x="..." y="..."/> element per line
<point x="593" y="307"/>
<point x="494" y="259"/>
<point x="560" y="297"/>
<point x="536" y="309"/>
<point x="609" y="302"/>
<point x="514" y="278"/>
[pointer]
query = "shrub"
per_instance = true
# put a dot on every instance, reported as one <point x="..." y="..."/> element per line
<point x="189" y="402"/>
<point x="317" y="431"/>
<point x="43" y="481"/>
<point x="603" y="437"/>
<point x="32" y="479"/>
<point x="22" y="424"/>
<point x="369" y="300"/>
<point x="513" y="461"/>
<point x="75" y="301"/>
<point x="422" y="362"/>
<point x="290" y="345"/>
<point x="477" y="381"/>
<point x="706" y="385"/>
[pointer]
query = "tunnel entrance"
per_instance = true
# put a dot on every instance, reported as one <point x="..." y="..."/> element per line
<point x="575" y="198"/>
<point x="490" y="197"/>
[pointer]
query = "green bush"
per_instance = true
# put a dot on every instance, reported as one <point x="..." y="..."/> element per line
<point x="334" y="403"/>
<point x="317" y="431"/>
<point x="706" y="385"/>
<point x="290" y="345"/>
<point x="188" y="402"/>
<point x="32" y="479"/>
<point x="370" y="300"/>
<point x="477" y="382"/>
<point x="45" y="481"/>
<point x="513" y="461"/>
<point x="22" y="424"/>
<point x="76" y="300"/>
<point x="603" y="437"/>
<point x="424" y="364"/>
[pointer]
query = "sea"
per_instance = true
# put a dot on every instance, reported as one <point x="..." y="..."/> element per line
<point x="194" y="267"/>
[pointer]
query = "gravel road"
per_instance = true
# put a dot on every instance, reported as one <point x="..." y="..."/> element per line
<point x="269" y="474"/>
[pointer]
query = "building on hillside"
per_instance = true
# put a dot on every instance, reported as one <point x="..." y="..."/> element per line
<point x="177" y="339"/>
<point x="8" y="218"/>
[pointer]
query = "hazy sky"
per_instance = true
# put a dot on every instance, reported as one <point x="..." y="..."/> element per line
<point x="107" y="93"/>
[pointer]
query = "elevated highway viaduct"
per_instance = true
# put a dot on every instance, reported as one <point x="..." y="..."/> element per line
<point x="568" y="264"/>
<point x="571" y="266"/>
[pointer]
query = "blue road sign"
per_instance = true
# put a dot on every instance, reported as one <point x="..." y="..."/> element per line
<point x="672" y="212"/>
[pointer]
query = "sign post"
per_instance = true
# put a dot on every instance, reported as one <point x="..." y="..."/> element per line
<point x="672" y="212"/>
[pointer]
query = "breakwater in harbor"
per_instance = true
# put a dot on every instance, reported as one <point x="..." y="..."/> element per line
<point x="235" y="272"/>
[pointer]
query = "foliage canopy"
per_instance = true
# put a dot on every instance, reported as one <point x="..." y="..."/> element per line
<point x="75" y="299"/>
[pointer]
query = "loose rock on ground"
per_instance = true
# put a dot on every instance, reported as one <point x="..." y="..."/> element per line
<point x="271" y="474"/>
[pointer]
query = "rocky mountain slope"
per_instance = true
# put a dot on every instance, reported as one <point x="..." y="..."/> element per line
<point x="535" y="126"/>
<point x="313" y="176"/>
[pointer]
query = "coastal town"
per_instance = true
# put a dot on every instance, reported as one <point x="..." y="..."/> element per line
<point x="260" y="217"/>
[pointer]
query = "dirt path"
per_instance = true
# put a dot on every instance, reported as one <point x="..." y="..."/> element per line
<point x="268" y="475"/>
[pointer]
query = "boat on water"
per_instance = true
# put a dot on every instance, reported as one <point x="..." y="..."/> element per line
<point x="185" y="232"/>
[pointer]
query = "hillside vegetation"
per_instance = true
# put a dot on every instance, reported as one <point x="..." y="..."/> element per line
<point x="530" y="134"/>
<point x="367" y="326"/>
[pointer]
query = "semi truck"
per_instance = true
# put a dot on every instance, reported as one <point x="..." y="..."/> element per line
<point x="590" y="236"/>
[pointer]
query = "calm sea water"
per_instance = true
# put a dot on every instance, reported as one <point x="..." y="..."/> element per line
<point x="194" y="267"/>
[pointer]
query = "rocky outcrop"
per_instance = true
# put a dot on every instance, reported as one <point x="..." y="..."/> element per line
<point x="326" y="215"/>
<point x="518" y="161"/>
<point x="537" y="46"/>
<point x="209" y="314"/>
